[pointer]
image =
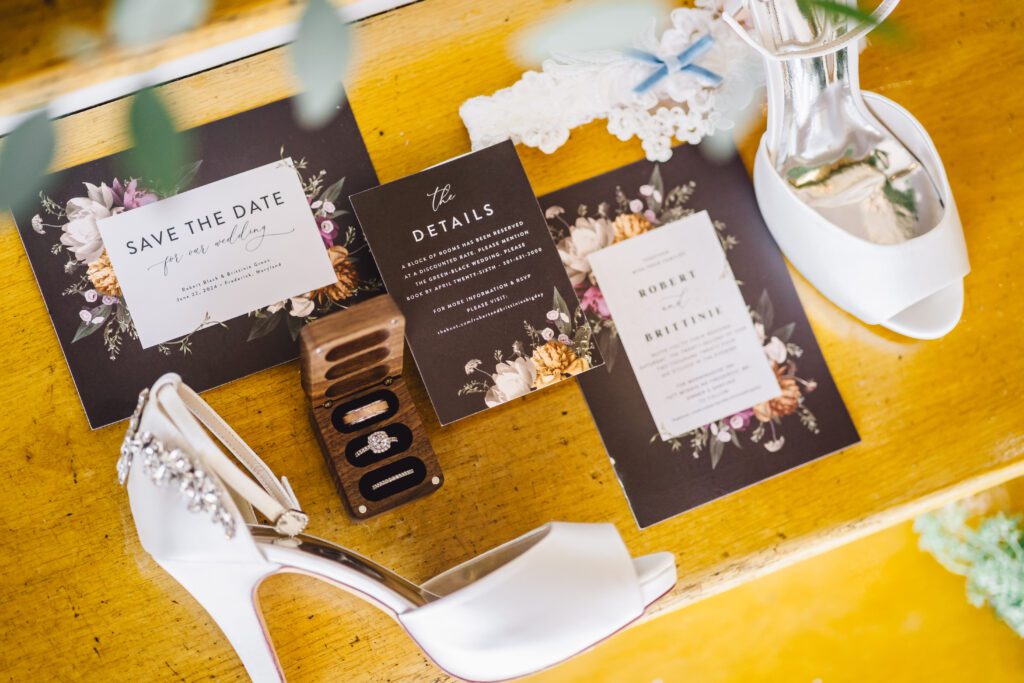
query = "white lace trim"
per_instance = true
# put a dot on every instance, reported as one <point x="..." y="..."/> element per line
<point x="542" y="107"/>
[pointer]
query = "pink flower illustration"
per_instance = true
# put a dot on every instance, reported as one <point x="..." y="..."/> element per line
<point x="593" y="301"/>
<point x="328" y="230"/>
<point x="741" y="420"/>
<point x="130" y="196"/>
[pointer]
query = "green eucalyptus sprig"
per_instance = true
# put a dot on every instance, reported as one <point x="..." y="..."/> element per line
<point x="990" y="555"/>
<point x="320" y="55"/>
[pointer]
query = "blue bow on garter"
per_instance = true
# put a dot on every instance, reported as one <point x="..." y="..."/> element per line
<point x="676" y="64"/>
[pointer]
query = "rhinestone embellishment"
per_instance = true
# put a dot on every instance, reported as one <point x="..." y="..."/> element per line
<point x="124" y="461"/>
<point x="379" y="442"/>
<point x="173" y="467"/>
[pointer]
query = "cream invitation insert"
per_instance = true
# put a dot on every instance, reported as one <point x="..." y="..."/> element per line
<point x="684" y="325"/>
<point x="216" y="252"/>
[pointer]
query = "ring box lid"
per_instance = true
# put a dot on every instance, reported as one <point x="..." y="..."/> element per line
<point x="351" y="350"/>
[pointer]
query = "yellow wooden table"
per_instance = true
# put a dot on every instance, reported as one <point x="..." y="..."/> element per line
<point x="939" y="420"/>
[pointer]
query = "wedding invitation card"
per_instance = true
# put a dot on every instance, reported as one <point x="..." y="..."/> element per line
<point x="465" y="252"/>
<point x="684" y="325"/>
<point x="653" y="219"/>
<point x="211" y="276"/>
<point x="216" y="252"/>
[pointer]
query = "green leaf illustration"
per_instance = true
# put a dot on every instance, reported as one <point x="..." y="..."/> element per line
<point x="785" y="332"/>
<point x="564" y="322"/>
<point x="95" y="322"/>
<point x="332" y="192"/>
<point x="765" y="311"/>
<point x="265" y="324"/>
<point x="716" y="449"/>
<point x="26" y="154"/>
<point x="320" y="56"/>
<point x="659" y="185"/>
<point x="294" y="326"/>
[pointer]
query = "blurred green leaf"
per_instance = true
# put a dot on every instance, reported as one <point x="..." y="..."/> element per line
<point x="839" y="9"/>
<point x="26" y="154"/>
<point x="160" y="152"/>
<point x="588" y="25"/>
<point x="141" y="22"/>
<point x="320" y="56"/>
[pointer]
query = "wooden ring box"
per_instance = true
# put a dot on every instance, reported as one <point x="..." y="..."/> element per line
<point x="352" y="375"/>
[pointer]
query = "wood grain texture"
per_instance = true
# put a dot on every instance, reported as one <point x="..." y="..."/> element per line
<point x="41" y="56"/>
<point x="352" y="360"/>
<point x="337" y="351"/>
<point x="939" y="420"/>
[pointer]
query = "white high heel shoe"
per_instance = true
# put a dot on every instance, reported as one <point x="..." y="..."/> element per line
<point x="514" y="610"/>
<point x="850" y="185"/>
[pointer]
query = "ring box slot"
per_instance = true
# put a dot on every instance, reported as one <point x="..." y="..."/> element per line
<point x="393" y="478"/>
<point x="339" y="413"/>
<point x="355" y="363"/>
<point x="358" y="380"/>
<point x="397" y="431"/>
<point x="352" y="361"/>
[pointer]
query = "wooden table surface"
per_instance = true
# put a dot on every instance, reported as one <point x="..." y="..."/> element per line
<point x="939" y="420"/>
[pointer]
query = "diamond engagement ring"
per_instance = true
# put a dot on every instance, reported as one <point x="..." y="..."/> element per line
<point x="378" y="442"/>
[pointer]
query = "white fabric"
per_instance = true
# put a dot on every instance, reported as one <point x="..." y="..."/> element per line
<point x="185" y="407"/>
<point x="572" y="587"/>
<point x="873" y="282"/>
<point x="543" y="107"/>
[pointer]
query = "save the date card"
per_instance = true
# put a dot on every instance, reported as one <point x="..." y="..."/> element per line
<point x="212" y="275"/>
<point x="713" y="379"/>
<point x="490" y="312"/>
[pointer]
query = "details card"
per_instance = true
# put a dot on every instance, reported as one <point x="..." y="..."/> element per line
<point x="684" y="325"/>
<point x="490" y="312"/>
<point x="216" y="252"/>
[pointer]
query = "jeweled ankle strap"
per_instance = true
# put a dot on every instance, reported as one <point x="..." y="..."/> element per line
<point x="188" y="467"/>
<point x="735" y="8"/>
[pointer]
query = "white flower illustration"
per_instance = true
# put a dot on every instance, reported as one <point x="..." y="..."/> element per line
<point x="586" y="236"/>
<point x="776" y="350"/>
<point x="512" y="379"/>
<point x="301" y="306"/>
<point x="547" y="333"/>
<point x="472" y="365"/>
<point x="80" y="234"/>
<point x="776" y="445"/>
